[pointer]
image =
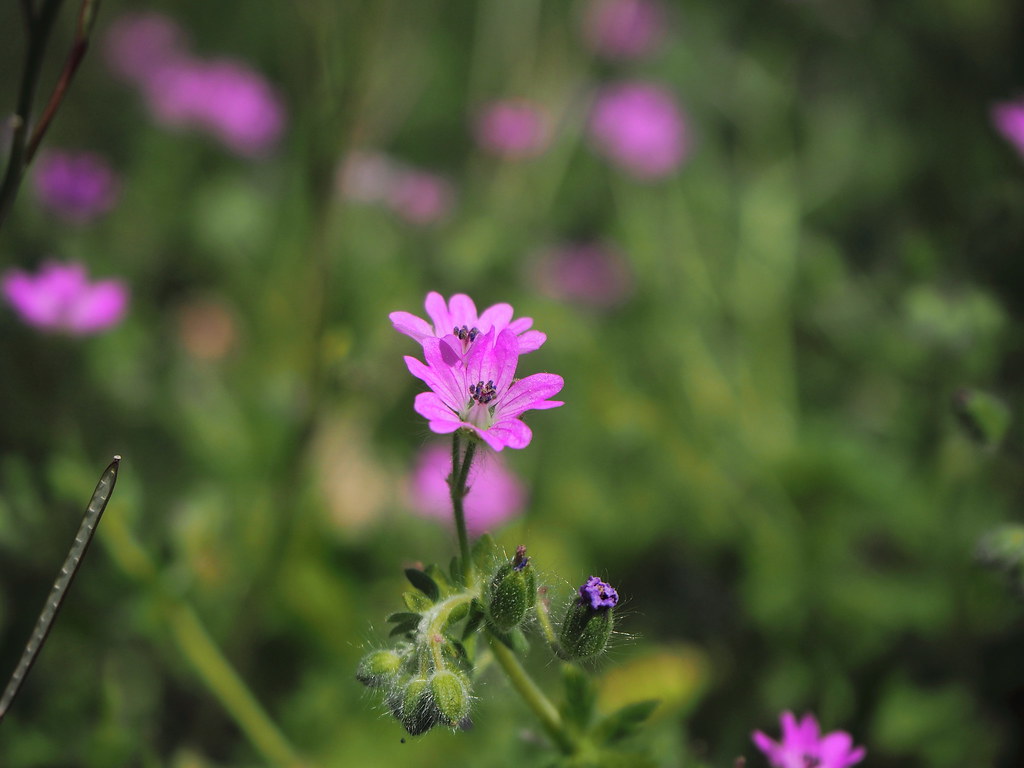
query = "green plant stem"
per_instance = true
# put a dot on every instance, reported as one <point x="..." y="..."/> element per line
<point x="457" y="483"/>
<point x="548" y="629"/>
<point x="534" y="697"/>
<point x="200" y="650"/>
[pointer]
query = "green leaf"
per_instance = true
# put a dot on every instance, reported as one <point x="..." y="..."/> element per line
<point x="624" y="722"/>
<point x="417" y="601"/>
<point x="457" y="614"/>
<point x="455" y="571"/>
<point x="485" y="553"/>
<point x="423" y="583"/>
<point x="440" y="578"/>
<point x="408" y="628"/>
<point x="580" y="696"/>
<point x="983" y="416"/>
<point x="402" y="617"/>
<point x="514" y="639"/>
<point x="476" y="618"/>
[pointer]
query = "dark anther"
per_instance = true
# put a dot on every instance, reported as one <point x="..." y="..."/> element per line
<point x="466" y="334"/>
<point x="520" y="561"/>
<point x="483" y="393"/>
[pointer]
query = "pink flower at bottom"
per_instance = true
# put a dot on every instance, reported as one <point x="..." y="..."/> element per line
<point x="60" y="298"/>
<point x="495" y="494"/>
<point x="803" y="746"/>
<point x="1008" y="118"/>
<point x="480" y="392"/>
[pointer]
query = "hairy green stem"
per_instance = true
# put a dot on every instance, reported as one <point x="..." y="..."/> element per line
<point x="457" y="484"/>
<point x="534" y="697"/>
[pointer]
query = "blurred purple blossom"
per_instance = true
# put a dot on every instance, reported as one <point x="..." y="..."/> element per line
<point x="495" y="494"/>
<point x="78" y="186"/>
<point x="60" y="298"/>
<point x="419" y="197"/>
<point x="624" y="29"/>
<point x="481" y="393"/>
<point x="802" y="745"/>
<point x="590" y="274"/>
<point x="514" y="129"/>
<point x="640" y="127"/>
<point x="598" y="594"/>
<point x="222" y="97"/>
<point x="458" y="324"/>
<point x="1008" y="118"/>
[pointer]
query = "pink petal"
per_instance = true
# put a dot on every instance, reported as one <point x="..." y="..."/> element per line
<point x="512" y="433"/>
<point x="767" y="745"/>
<point x="463" y="312"/>
<point x="531" y="340"/>
<point x="497" y="316"/>
<point x="98" y="307"/>
<point x="438" y="311"/>
<point x="34" y="305"/>
<point x="520" y="324"/>
<point x="443" y="386"/>
<point x="410" y="325"/>
<point x="430" y="406"/>
<point x="531" y="393"/>
<point x="834" y="750"/>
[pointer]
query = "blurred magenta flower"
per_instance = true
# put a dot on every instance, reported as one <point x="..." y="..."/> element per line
<point x="367" y="176"/>
<point x="60" y="298"/>
<point x="138" y="45"/>
<point x="420" y="197"/>
<point x="514" y="129"/>
<point x="803" y="746"/>
<point x="1008" y="118"/>
<point x="584" y="273"/>
<point x="78" y="186"/>
<point x="457" y="322"/>
<point x="640" y="127"/>
<point x="495" y="494"/>
<point x="223" y="97"/>
<point x="481" y="393"/>
<point x="624" y="29"/>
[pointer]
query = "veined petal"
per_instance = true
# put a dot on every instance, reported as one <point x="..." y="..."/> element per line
<point x="835" y="750"/>
<point x="531" y="393"/>
<point x="493" y="360"/>
<point x="445" y="386"/>
<point x="462" y="311"/>
<point x="438" y="312"/>
<point x="99" y="306"/>
<point x="520" y="324"/>
<point x="410" y="325"/>
<point x="497" y="316"/>
<point x="430" y="406"/>
<point x="531" y="340"/>
<point x="510" y="432"/>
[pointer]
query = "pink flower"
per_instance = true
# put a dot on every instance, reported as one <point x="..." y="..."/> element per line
<point x="60" y="298"/>
<point x="803" y="746"/>
<point x="495" y="494"/>
<point x="457" y="322"/>
<point x="138" y="45"/>
<point x="513" y="129"/>
<point x="640" y="127"/>
<point x="420" y="197"/>
<point x="1008" y="118"/>
<point x="78" y="186"/>
<point x="480" y="392"/>
<point x="624" y="29"/>
<point x="589" y="274"/>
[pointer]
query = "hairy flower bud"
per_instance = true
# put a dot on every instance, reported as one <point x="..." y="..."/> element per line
<point x="512" y="592"/>
<point x="378" y="668"/>
<point x="588" y="622"/>
<point x="418" y="711"/>
<point x="450" y="692"/>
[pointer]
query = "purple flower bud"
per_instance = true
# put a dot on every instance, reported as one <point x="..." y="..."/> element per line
<point x="599" y="594"/>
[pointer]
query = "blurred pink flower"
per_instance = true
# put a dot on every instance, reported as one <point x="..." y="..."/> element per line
<point x="495" y="494"/>
<point x="222" y="97"/>
<point x="420" y="197"/>
<point x="585" y="273"/>
<point x="457" y="322"/>
<point x="640" y="127"/>
<point x="803" y="746"/>
<point x="481" y="393"/>
<point x="60" y="298"/>
<point x="79" y="186"/>
<point x="624" y="29"/>
<point x="515" y="129"/>
<point x="367" y="176"/>
<point x="1008" y="118"/>
<point x="138" y="45"/>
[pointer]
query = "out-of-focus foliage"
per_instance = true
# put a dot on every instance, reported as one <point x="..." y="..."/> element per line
<point x="758" y="446"/>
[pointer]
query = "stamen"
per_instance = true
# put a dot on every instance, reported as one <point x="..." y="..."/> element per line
<point x="811" y="762"/>
<point x="466" y="334"/>
<point x="483" y="393"/>
<point x="520" y="561"/>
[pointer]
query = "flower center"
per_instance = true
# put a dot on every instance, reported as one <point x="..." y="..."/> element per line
<point x="466" y="334"/>
<point x="811" y="762"/>
<point x="483" y="393"/>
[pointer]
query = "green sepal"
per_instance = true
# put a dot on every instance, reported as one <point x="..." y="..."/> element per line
<point x="485" y="552"/>
<point x="455" y="571"/>
<point x="379" y="667"/>
<point x="585" y="631"/>
<point x="457" y="614"/>
<point x="510" y="595"/>
<point x="417" y="601"/>
<point x="418" y="712"/>
<point x="402" y="617"/>
<point x="476" y="618"/>
<point x="514" y="639"/>
<point x="423" y="583"/>
<point x="624" y="722"/>
<point x="450" y="693"/>
<point x="580" y="696"/>
<point x="440" y="578"/>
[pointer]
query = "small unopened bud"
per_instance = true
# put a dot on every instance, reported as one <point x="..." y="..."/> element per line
<point x="450" y="691"/>
<point x="378" y="668"/>
<point x="512" y="592"/>
<point x="418" y="713"/>
<point x="588" y="622"/>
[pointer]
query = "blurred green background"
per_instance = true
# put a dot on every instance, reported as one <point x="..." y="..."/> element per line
<point x="757" y="448"/>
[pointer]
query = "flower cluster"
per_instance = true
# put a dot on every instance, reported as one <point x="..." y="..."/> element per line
<point x="803" y="746"/>
<point x="470" y="368"/>
<point x="418" y="196"/>
<point x="60" y="298"/>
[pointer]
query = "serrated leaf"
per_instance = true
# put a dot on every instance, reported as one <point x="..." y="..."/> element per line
<point x="402" y="617"/>
<point x="417" y="601"/>
<point x="624" y="722"/>
<point x="423" y="583"/>
<point x="580" y="696"/>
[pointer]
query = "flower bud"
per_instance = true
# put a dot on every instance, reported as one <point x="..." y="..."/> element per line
<point x="512" y="592"/>
<point x="418" y="712"/>
<point x="450" y="691"/>
<point x="588" y="622"/>
<point x="377" y="668"/>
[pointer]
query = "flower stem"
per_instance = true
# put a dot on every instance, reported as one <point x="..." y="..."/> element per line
<point x="534" y="697"/>
<point x="457" y="484"/>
